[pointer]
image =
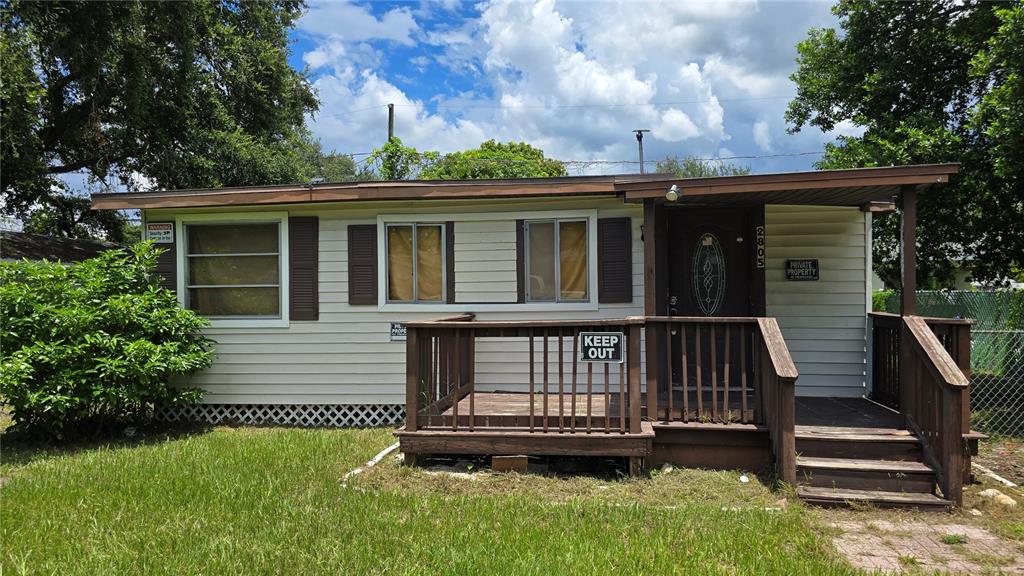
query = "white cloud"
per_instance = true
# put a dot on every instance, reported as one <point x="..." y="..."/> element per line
<point x="567" y="77"/>
<point x="356" y="23"/>
<point x="762" y="136"/>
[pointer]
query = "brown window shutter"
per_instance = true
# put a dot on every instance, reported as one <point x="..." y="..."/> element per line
<point x="449" y="261"/>
<point x="520" y="261"/>
<point x="303" y="266"/>
<point x="614" y="260"/>
<point x="362" y="264"/>
<point x="167" y="263"/>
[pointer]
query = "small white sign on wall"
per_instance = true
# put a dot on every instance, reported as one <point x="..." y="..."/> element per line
<point x="160" y="232"/>
<point x="397" y="332"/>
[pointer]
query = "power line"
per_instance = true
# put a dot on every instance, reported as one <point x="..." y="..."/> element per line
<point x="556" y="106"/>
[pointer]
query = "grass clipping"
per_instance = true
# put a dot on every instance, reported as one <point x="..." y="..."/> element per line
<point x="656" y="488"/>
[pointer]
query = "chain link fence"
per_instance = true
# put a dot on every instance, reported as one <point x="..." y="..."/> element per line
<point x="997" y="351"/>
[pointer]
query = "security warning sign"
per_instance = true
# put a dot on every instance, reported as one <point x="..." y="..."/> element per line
<point x="602" y="347"/>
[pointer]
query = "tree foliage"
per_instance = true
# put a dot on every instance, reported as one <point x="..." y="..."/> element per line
<point x="494" y="160"/>
<point x="396" y="161"/>
<point x="928" y="82"/>
<point x="169" y="94"/>
<point x="693" y="167"/>
<point x="93" y="344"/>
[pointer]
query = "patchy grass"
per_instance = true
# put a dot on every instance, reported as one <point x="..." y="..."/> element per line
<point x="270" y="501"/>
<point x="1003" y="455"/>
<point x="681" y="487"/>
<point x="953" y="539"/>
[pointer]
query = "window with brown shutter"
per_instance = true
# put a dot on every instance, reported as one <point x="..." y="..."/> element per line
<point x="614" y="260"/>
<point x="303" y="256"/>
<point x="362" y="264"/>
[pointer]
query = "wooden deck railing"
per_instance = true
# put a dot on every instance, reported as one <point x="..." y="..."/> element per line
<point x="933" y="396"/>
<point x="563" y="395"/>
<point x="723" y="370"/>
<point x="885" y="354"/>
<point x="776" y="376"/>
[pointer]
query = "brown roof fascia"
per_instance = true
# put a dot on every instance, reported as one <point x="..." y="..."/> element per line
<point x="359" y="191"/>
<point x="856" y="177"/>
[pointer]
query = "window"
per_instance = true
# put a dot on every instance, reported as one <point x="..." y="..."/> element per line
<point x="234" y="270"/>
<point x="556" y="261"/>
<point x="415" y="261"/>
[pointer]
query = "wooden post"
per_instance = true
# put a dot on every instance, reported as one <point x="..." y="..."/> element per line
<point x="634" y="379"/>
<point x="908" y="252"/>
<point x="908" y="286"/>
<point x="650" y="308"/>
<point x="412" y="379"/>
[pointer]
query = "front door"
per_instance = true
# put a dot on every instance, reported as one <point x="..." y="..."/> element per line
<point x="710" y="253"/>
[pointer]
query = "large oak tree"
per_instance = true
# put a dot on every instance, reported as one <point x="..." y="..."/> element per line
<point x="166" y="94"/>
<point x="928" y="82"/>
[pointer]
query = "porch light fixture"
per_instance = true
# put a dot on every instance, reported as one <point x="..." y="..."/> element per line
<point x="673" y="193"/>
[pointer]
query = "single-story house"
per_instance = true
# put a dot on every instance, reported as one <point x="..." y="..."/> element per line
<point x="721" y="322"/>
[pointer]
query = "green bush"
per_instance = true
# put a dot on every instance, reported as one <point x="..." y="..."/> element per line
<point x="880" y="300"/>
<point x="95" y="344"/>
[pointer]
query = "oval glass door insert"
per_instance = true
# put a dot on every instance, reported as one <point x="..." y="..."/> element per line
<point x="708" y="274"/>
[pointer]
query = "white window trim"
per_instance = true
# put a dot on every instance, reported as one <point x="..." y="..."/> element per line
<point x="281" y="218"/>
<point x="589" y="214"/>
<point x="557" y="236"/>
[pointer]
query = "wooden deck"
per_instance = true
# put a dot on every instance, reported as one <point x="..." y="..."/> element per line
<point x="844" y="416"/>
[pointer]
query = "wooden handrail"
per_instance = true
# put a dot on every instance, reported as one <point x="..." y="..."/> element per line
<point x="934" y="398"/>
<point x="942" y="365"/>
<point x="777" y="376"/>
<point x="782" y="362"/>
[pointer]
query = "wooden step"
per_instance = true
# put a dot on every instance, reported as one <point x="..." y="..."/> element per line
<point x="863" y="474"/>
<point x="859" y="446"/>
<point x="843" y="497"/>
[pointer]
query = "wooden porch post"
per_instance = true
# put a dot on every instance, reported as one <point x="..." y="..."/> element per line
<point x="908" y="287"/>
<point x="650" y="305"/>
<point x="908" y="255"/>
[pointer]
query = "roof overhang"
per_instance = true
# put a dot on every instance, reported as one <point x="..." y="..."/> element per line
<point x="856" y="187"/>
<point x="853" y="187"/>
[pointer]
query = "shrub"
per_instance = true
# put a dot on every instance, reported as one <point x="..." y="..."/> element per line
<point x="94" y="344"/>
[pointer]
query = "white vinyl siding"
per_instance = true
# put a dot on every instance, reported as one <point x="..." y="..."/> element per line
<point x="485" y="261"/>
<point x="346" y="357"/>
<point x="822" y="321"/>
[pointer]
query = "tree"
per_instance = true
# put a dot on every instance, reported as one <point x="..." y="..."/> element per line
<point x="396" y="161"/>
<point x="173" y="94"/>
<point x="693" y="167"/>
<point x="928" y="82"/>
<point x="494" y="160"/>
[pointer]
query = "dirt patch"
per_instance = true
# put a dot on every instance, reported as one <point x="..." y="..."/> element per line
<point x="1004" y="456"/>
<point x="911" y="547"/>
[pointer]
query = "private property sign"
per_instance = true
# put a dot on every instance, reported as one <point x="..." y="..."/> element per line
<point x="602" y="346"/>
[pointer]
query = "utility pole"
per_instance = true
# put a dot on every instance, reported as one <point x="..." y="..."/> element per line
<point x="640" y="146"/>
<point x="391" y="122"/>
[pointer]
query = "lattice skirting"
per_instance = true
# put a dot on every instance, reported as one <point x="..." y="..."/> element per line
<point x="326" y="415"/>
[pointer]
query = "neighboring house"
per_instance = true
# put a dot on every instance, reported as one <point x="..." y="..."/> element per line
<point x="742" y="302"/>
<point x="17" y="246"/>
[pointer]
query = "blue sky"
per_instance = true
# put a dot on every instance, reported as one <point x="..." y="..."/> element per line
<point x="708" y="79"/>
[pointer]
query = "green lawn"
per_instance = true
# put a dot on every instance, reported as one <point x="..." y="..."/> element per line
<point x="269" y="501"/>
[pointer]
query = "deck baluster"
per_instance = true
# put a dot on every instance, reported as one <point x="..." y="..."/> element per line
<point x="668" y="372"/>
<point x="685" y="360"/>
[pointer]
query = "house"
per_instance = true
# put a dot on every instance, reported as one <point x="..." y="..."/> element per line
<point x="17" y="246"/>
<point x="717" y="322"/>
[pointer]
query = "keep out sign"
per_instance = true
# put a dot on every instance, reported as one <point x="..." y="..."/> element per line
<point x="601" y="346"/>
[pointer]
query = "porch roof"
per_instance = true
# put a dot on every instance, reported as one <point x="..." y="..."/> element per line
<point x="852" y="187"/>
<point x="855" y="187"/>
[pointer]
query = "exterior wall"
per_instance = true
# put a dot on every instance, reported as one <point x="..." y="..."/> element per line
<point x="823" y="322"/>
<point x="346" y="357"/>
